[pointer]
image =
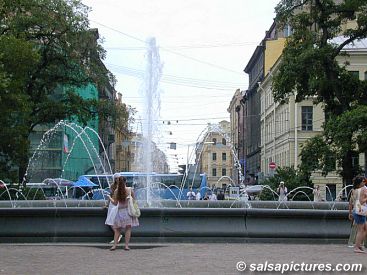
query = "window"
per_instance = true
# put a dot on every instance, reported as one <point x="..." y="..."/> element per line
<point x="214" y="172"/>
<point x="365" y="75"/>
<point x="224" y="156"/>
<point x="224" y="172"/>
<point x="214" y="156"/>
<point x="224" y="142"/>
<point x="214" y="141"/>
<point x="307" y="117"/>
<point x="287" y="31"/>
<point x="354" y="74"/>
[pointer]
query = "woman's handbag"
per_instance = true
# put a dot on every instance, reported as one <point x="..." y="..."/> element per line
<point x="358" y="207"/>
<point x="132" y="206"/>
<point x="112" y="213"/>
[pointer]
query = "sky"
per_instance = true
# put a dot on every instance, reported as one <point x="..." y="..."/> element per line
<point x="204" y="46"/>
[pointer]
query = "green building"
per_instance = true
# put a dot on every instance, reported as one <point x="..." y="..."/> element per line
<point x="65" y="150"/>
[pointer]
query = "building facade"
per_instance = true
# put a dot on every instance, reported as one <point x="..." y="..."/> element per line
<point x="285" y="127"/>
<point x="263" y="58"/>
<point x="122" y="144"/>
<point x="236" y="116"/>
<point x="215" y="157"/>
<point x="68" y="150"/>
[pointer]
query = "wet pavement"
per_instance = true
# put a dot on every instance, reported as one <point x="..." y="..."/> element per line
<point x="174" y="258"/>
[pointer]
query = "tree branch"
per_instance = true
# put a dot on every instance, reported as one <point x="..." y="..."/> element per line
<point x="342" y="45"/>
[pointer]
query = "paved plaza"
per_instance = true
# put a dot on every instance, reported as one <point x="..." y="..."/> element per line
<point x="169" y="258"/>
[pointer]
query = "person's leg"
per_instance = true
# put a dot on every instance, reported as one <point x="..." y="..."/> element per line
<point x="116" y="235"/>
<point x="359" y="237"/>
<point x="364" y="239"/>
<point x="119" y="240"/>
<point x="352" y="236"/>
<point x="127" y="236"/>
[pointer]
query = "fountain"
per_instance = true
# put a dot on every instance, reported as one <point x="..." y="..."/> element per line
<point x="26" y="220"/>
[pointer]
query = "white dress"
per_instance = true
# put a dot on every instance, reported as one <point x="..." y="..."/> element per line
<point x="118" y="216"/>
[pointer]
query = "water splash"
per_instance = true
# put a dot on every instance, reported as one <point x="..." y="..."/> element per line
<point x="152" y="104"/>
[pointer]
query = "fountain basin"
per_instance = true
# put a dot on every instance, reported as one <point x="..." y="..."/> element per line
<point x="183" y="204"/>
<point x="86" y="224"/>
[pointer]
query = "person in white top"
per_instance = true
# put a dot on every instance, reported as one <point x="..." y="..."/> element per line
<point x="317" y="194"/>
<point x="191" y="194"/>
<point x="213" y="197"/>
<point x="358" y="211"/>
<point x="198" y="195"/>
<point x="282" y="191"/>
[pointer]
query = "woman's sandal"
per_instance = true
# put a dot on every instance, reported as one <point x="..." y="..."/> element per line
<point x="113" y="248"/>
<point x="358" y="250"/>
<point x="126" y="248"/>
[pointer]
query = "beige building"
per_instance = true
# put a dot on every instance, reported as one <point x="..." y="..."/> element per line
<point x="284" y="128"/>
<point x="137" y="158"/>
<point x="233" y="115"/>
<point x="236" y="125"/>
<point x="216" y="157"/>
<point x="122" y="145"/>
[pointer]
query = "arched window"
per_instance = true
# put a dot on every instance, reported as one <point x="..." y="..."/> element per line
<point x="214" y="141"/>
<point x="224" y="142"/>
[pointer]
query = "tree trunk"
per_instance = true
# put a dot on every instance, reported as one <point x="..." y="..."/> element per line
<point x="349" y="169"/>
<point x="365" y="164"/>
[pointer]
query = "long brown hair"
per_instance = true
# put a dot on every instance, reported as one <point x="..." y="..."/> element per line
<point x="120" y="194"/>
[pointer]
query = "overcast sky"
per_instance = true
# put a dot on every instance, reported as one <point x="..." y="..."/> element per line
<point x="204" y="46"/>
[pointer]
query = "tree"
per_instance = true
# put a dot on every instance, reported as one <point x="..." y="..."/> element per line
<point x="349" y="124"/>
<point x="46" y="47"/>
<point x="292" y="179"/>
<point x="309" y="67"/>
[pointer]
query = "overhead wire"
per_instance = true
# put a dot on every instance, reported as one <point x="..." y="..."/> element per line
<point x="177" y="80"/>
<point x="188" y="47"/>
<point x="168" y="50"/>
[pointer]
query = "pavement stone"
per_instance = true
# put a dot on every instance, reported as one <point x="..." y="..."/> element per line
<point x="167" y="258"/>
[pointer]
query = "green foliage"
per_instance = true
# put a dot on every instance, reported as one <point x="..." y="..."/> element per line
<point x="317" y="155"/>
<point x="308" y="62"/>
<point x="309" y="69"/>
<point x="350" y="125"/>
<point x="292" y="179"/>
<point x="45" y="46"/>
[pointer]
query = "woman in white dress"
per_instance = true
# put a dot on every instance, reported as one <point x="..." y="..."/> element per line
<point x="121" y="218"/>
<point x="282" y="191"/>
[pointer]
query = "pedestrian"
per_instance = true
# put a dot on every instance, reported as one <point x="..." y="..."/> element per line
<point x="358" y="200"/>
<point x="198" y="195"/>
<point x="317" y="194"/>
<point x="220" y="196"/>
<point x="353" y="229"/>
<point x="191" y="195"/>
<point x="88" y="195"/>
<point x="121" y="219"/>
<point x="113" y="187"/>
<point x="213" y="197"/>
<point x="282" y="191"/>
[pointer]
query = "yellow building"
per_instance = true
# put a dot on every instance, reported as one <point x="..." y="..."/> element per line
<point x="122" y="145"/>
<point x="215" y="157"/>
<point x="284" y="128"/>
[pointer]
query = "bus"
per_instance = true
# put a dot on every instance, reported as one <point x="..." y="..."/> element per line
<point x="163" y="186"/>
